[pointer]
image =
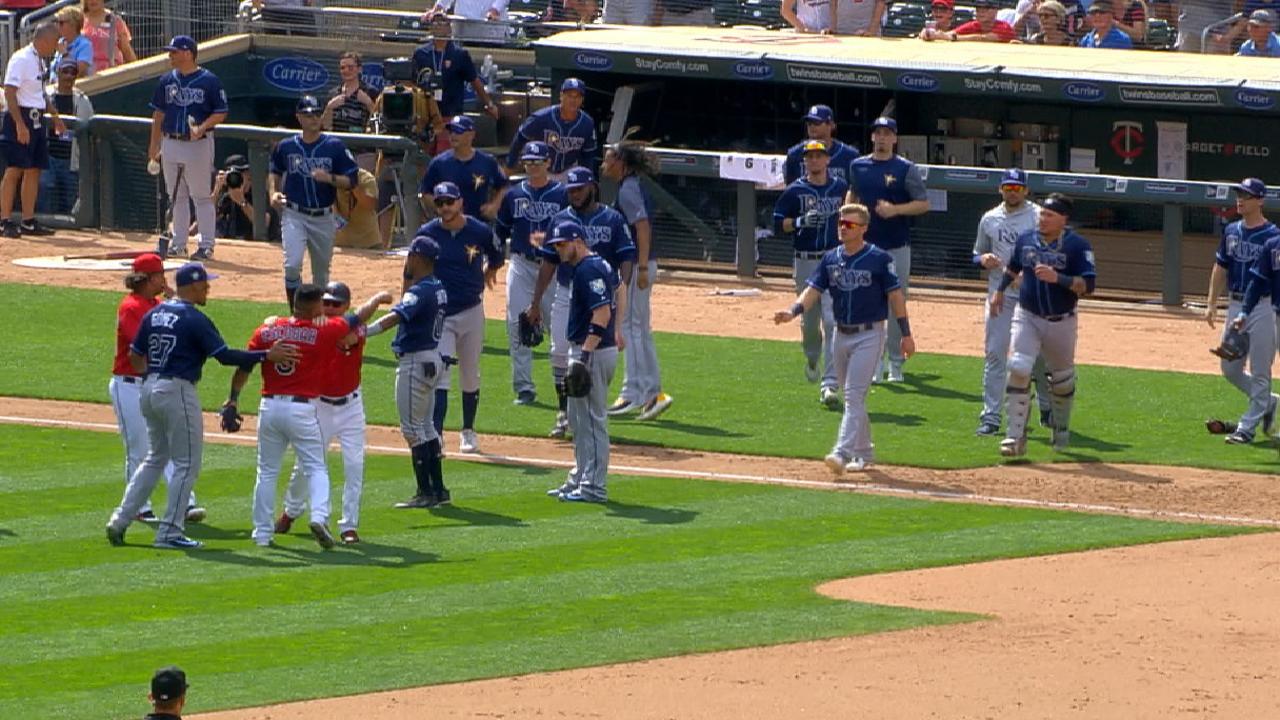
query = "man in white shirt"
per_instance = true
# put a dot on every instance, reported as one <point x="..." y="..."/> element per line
<point x="26" y="139"/>
<point x="471" y="9"/>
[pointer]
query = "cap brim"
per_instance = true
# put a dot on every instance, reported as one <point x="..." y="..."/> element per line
<point x="534" y="158"/>
<point x="212" y="276"/>
<point x="575" y="186"/>
<point x="1247" y="191"/>
<point x="331" y="297"/>
<point x="457" y="128"/>
<point x="446" y="196"/>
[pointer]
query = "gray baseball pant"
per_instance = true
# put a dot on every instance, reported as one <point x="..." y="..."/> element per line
<point x="641" y="376"/>
<point x="308" y="234"/>
<point x="590" y="422"/>
<point x="995" y="370"/>
<point x="893" y="344"/>
<point x="127" y="402"/>
<point x="196" y="156"/>
<point x="1056" y="342"/>
<point x="417" y="376"/>
<point x="1256" y="383"/>
<point x="856" y="356"/>
<point x="522" y="276"/>
<point x="817" y="325"/>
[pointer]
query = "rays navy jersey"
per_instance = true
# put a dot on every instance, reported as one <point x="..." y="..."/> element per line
<point x="840" y="165"/>
<point x="1070" y="254"/>
<point x="896" y="180"/>
<point x="461" y="265"/>
<point x="1265" y="274"/>
<point x="293" y="160"/>
<point x="476" y="177"/>
<point x="802" y="196"/>
<point x="594" y="284"/>
<point x="526" y="210"/>
<point x="421" y="311"/>
<point x="608" y="235"/>
<point x="572" y="142"/>
<point x="1238" y="250"/>
<point x="859" y="283"/>
<point x="176" y="339"/>
<point x="183" y="98"/>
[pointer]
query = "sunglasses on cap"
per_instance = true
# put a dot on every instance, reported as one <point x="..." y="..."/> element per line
<point x="442" y="201"/>
<point x="851" y="224"/>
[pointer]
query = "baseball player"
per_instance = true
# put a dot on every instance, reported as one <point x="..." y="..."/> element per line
<point x="187" y="104"/>
<point x="171" y="346"/>
<point x="592" y="318"/>
<point x="859" y="278"/>
<point x="287" y="414"/>
<point x="1239" y="250"/>
<point x="998" y="230"/>
<point x="808" y="208"/>
<point x="311" y="165"/>
<point x="625" y="163"/>
<point x="608" y="236"/>
<point x="820" y="124"/>
<point x="145" y="283"/>
<point x="419" y="319"/>
<point x="475" y="172"/>
<point x="892" y="188"/>
<point x="568" y="131"/>
<point x="526" y="209"/>
<point x="1057" y="269"/>
<point x="468" y="263"/>
<point x="26" y="141"/>
<point x="341" y="415"/>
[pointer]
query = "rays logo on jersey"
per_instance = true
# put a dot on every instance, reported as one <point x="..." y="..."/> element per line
<point x="842" y="278"/>
<point x="477" y="180"/>
<point x="562" y="143"/>
<point x="597" y="234"/>
<point x="535" y="211"/>
<point x="1241" y="251"/>
<point x="303" y="165"/>
<point x="184" y="96"/>
<point x="1043" y="256"/>
<point x="825" y="205"/>
<point x="1006" y="239"/>
<point x="597" y="286"/>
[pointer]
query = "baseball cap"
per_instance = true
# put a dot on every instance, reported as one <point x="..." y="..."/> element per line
<point x="460" y="124"/>
<point x="1262" y="17"/>
<point x="425" y="246"/>
<point x="985" y="3"/>
<point x="1014" y="176"/>
<point x="537" y="151"/>
<point x="68" y="61"/>
<point x="192" y="273"/>
<point x="949" y="4"/>
<point x="1252" y="186"/>
<point x="1100" y="6"/>
<point x="565" y="232"/>
<point x="573" y="84"/>
<point x="169" y="683"/>
<point x="337" y="291"/>
<point x="148" y="263"/>
<point x="820" y="113"/>
<point x="308" y="105"/>
<point x="182" y="42"/>
<point x="236" y="162"/>
<point x="816" y="146"/>
<point x="446" y="189"/>
<point x="885" y="122"/>
<point x="578" y="177"/>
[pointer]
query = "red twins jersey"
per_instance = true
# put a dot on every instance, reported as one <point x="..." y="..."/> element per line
<point x="344" y="372"/>
<point x="128" y="318"/>
<point x="318" y="343"/>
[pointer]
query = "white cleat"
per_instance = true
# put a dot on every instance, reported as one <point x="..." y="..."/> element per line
<point x="835" y="463"/>
<point x="468" y="443"/>
<point x="1013" y="447"/>
<point x="894" y="376"/>
<point x="857" y="465"/>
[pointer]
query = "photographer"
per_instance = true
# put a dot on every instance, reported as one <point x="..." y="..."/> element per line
<point x="402" y="108"/>
<point x="233" y="199"/>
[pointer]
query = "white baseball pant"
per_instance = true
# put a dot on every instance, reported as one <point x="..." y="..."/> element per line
<point x="283" y="422"/>
<point x="196" y="157"/>
<point x="346" y="422"/>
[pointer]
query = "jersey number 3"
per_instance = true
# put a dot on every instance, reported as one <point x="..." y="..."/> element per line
<point x="286" y="367"/>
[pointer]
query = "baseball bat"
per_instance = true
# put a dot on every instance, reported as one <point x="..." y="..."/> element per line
<point x="116" y="255"/>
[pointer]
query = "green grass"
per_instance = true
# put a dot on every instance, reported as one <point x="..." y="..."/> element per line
<point x="506" y="582"/>
<point x="732" y="395"/>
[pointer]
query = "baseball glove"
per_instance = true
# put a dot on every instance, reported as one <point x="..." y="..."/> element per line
<point x="530" y="332"/>
<point x="1219" y="427"/>
<point x="1235" y="345"/>
<point x="231" y="418"/>
<point x="577" y="381"/>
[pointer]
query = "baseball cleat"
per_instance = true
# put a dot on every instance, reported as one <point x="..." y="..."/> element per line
<point x="284" y="524"/>
<point x="468" y="442"/>
<point x="321" y="533"/>
<point x="835" y="462"/>
<point x="894" y="375"/>
<point x="561" y="428"/>
<point x="443" y="498"/>
<point x="657" y="406"/>
<point x="9" y="229"/>
<point x="622" y="407"/>
<point x="1013" y="447"/>
<point x="829" y="397"/>
<point x="987" y="428"/>
<point x="196" y="514"/>
<point x="857" y="465"/>
<point x="202" y="254"/>
<point x="350" y="537"/>
<point x="1046" y="418"/>
<point x="265" y="543"/>
<point x="811" y="372"/>
<point x="1239" y="437"/>
<point x="178" y="543"/>
<point x="580" y="497"/>
<point x="162" y="246"/>
<point x="33" y="227"/>
<point x="417" y="501"/>
<point x="562" y="490"/>
<point x="526" y="397"/>
<point x="146" y="516"/>
<point x="1061" y="439"/>
<point x="114" y="536"/>
<point x="1269" y="417"/>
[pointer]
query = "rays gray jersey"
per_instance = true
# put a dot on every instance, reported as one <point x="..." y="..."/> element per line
<point x="998" y="230"/>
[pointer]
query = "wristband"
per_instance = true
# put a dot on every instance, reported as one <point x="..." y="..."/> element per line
<point x="373" y="328"/>
<point x="1065" y="280"/>
<point x="597" y="330"/>
<point x="904" y="326"/>
<point x="1005" y="282"/>
<point x="797" y="309"/>
<point x="585" y="357"/>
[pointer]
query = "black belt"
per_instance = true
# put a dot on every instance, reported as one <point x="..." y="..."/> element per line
<point x="313" y="212"/>
<point x="854" y="329"/>
<point x="1237" y="296"/>
<point x="181" y="136"/>
<point x="131" y="379"/>
<point x="290" y="398"/>
<point x="339" y="402"/>
<point x="1058" y="318"/>
<point x="806" y="255"/>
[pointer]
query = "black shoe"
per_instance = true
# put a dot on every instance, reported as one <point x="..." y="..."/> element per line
<point x="417" y="501"/>
<point x="202" y="254"/>
<point x="10" y="229"/>
<point x="33" y="227"/>
<point x="988" y="428"/>
<point x="162" y="246"/>
<point x="1046" y="418"/>
<point x="443" y="498"/>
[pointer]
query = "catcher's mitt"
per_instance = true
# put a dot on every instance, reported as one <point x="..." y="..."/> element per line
<point x="1235" y="345"/>
<point x="231" y="418"/>
<point x="577" y="381"/>
<point x="530" y="332"/>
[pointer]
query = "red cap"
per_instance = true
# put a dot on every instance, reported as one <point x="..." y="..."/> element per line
<point x="148" y="263"/>
<point x="946" y="3"/>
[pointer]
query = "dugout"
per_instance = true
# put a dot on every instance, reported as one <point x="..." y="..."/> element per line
<point x="1118" y="113"/>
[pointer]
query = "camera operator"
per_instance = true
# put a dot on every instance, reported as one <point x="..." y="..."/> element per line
<point x="233" y="199"/>
<point x="353" y="103"/>
<point x="403" y="108"/>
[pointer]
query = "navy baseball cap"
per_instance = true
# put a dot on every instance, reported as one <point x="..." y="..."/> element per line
<point x="565" y="232"/>
<point x="182" y="42"/>
<point x="579" y="177"/>
<point x="425" y="246"/>
<point x="446" y="189"/>
<point x="308" y="105"/>
<point x="885" y="122"/>
<point x="573" y="85"/>
<point x="460" y="124"/>
<point x="536" y="151"/>
<point x="337" y="291"/>
<point x="192" y="273"/>
<point x="820" y="114"/>
<point x="1252" y="186"/>
<point x="1262" y="17"/>
<point x="169" y="683"/>
<point x="1014" y="176"/>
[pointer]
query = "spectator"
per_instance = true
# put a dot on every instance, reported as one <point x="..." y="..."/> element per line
<point x="633" y="12"/>
<point x="1134" y="22"/>
<point x="944" y="15"/>
<point x="806" y="16"/>
<point x="233" y="198"/>
<point x="1104" y="34"/>
<point x="688" y="12"/>
<point x="352" y="104"/>
<point x="858" y="17"/>
<point x="984" y="28"/>
<point x="25" y="138"/>
<point x="579" y="11"/>
<point x="20" y="8"/>
<point x="1195" y="16"/>
<point x="70" y="22"/>
<point x="470" y="9"/>
<point x="357" y="213"/>
<point x="109" y="35"/>
<point x="168" y="694"/>
<point x="1052" y="19"/>
<point x="1262" y="40"/>
<point x="1026" y="20"/>
<point x="451" y="68"/>
<point x="60" y="184"/>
